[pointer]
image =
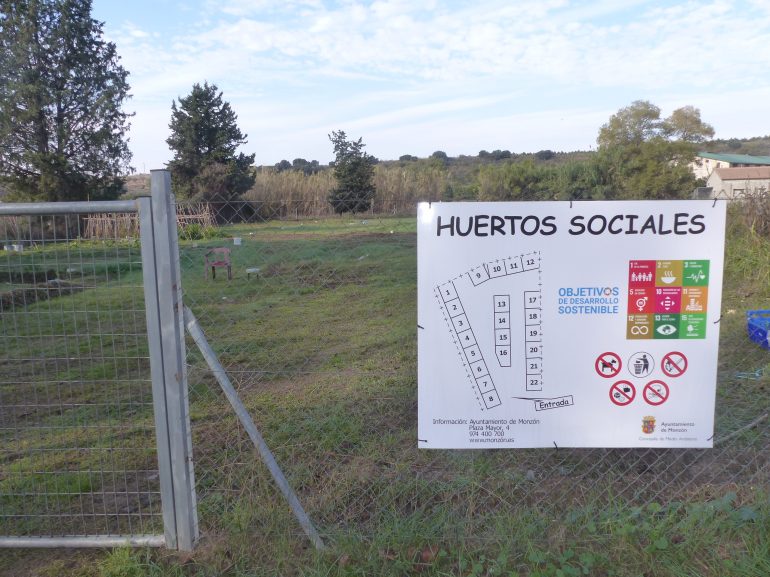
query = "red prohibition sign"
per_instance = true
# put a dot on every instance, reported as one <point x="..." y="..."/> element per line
<point x="655" y="393"/>
<point x="674" y="364"/>
<point x="608" y="365"/>
<point x="622" y="393"/>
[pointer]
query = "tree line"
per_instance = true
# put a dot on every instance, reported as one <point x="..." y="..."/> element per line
<point x="640" y="155"/>
<point x="63" y="136"/>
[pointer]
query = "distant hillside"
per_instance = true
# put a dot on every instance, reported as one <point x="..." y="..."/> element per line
<point x="137" y="185"/>
<point x="495" y="175"/>
<point x="756" y="146"/>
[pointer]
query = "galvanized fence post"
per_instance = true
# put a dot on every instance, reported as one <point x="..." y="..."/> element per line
<point x="165" y="327"/>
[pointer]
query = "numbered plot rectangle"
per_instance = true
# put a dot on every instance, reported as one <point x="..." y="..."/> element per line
<point x="479" y="369"/>
<point x="467" y="338"/>
<point x="478" y="275"/>
<point x="534" y="366"/>
<point x="530" y="262"/>
<point x="502" y="337"/>
<point x="502" y="320"/>
<point x="491" y="399"/>
<point x="534" y="382"/>
<point x="496" y="268"/>
<point x="485" y="384"/>
<point x="532" y="316"/>
<point x="534" y="350"/>
<point x="533" y="334"/>
<point x="502" y="303"/>
<point x="503" y="356"/>
<point x="454" y="308"/>
<point x="532" y="299"/>
<point x="473" y="354"/>
<point x="460" y="323"/>
<point x="513" y="265"/>
<point x="448" y="291"/>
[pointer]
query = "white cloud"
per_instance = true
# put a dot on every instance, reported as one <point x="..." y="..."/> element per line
<point x="466" y="72"/>
<point x="389" y="38"/>
<point x="412" y="114"/>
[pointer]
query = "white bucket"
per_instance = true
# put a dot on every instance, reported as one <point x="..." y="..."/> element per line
<point x="237" y="240"/>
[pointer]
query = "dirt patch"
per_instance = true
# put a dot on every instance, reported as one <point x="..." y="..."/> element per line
<point x="22" y="297"/>
<point x="33" y="277"/>
<point x="354" y="237"/>
<point x="34" y="563"/>
<point x="307" y="275"/>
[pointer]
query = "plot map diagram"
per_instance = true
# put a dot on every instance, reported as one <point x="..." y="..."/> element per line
<point x="557" y="324"/>
<point x="510" y="287"/>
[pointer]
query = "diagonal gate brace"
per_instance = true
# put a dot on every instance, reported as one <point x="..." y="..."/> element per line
<point x="243" y="415"/>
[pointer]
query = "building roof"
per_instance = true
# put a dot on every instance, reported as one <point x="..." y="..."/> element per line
<point x="737" y="158"/>
<point x="744" y="173"/>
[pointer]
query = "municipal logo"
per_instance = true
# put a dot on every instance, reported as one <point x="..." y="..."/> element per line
<point x="648" y="425"/>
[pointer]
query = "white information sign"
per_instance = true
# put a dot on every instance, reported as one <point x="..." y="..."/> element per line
<point x="586" y="324"/>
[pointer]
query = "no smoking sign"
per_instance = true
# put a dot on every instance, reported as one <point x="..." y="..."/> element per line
<point x="674" y="364"/>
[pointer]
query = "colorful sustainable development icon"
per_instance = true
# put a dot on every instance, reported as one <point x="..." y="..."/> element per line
<point x="667" y="299"/>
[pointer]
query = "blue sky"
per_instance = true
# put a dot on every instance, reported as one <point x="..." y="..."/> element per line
<point x="416" y="76"/>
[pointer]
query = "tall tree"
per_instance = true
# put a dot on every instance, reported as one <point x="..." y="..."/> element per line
<point x="354" y="171"/>
<point x="644" y="156"/>
<point x="641" y="122"/>
<point x="633" y="124"/>
<point x="204" y="138"/>
<point x="62" y="88"/>
<point x="685" y="124"/>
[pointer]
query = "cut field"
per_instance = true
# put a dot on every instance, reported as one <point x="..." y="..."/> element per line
<point x="320" y="342"/>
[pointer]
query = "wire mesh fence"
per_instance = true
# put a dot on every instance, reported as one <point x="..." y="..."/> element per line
<point x="77" y="438"/>
<point x="317" y="330"/>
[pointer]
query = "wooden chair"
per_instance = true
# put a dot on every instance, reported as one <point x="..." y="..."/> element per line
<point x="218" y="257"/>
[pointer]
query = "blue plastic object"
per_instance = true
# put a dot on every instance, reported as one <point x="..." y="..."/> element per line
<point x="758" y="326"/>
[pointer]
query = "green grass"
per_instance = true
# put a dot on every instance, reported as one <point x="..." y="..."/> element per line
<point x="321" y="345"/>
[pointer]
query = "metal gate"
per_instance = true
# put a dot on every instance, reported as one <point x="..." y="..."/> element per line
<point x="95" y="445"/>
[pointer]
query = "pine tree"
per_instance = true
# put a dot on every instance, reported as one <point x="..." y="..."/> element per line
<point x="204" y="138"/>
<point x="354" y="171"/>
<point x="62" y="127"/>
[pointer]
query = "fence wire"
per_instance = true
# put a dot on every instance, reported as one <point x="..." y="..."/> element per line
<point x="316" y="329"/>
<point x="77" y="440"/>
<point x="317" y="332"/>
